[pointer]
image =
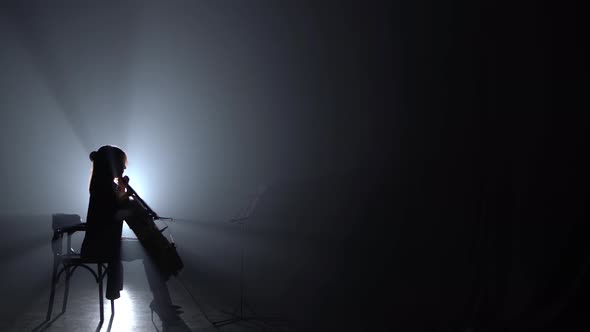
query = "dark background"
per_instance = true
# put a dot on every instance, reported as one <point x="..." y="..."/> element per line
<point x="423" y="161"/>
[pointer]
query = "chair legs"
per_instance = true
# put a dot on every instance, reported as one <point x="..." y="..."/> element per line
<point x="67" y="289"/>
<point x="52" y="294"/>
<point x="100" y="292"/>
<point x="68" y="274"/>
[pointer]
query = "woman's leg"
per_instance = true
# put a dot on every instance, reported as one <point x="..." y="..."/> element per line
<point x="132" y="250"/>
<point x="162" y="302"/>
<point x="156" y="282"/>
<point x="114" y="280"/>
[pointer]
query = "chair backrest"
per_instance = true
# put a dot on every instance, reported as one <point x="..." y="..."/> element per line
<point x="64" y="224"/>
<point x="61" y="220"/>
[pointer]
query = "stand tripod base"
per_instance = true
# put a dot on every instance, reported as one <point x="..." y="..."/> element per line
<point x="238" y="319"/>
<point x="226" y="321"/>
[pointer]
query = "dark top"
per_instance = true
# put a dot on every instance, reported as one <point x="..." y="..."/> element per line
<point x="103" y="232"/>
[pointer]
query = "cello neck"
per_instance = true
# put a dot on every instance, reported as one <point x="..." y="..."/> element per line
<point x="141" y="201"/>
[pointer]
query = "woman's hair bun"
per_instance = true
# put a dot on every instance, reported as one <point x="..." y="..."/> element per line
<point x="92" y="155"/>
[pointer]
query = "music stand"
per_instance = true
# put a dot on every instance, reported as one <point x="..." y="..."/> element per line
<point x="240" y="220"/>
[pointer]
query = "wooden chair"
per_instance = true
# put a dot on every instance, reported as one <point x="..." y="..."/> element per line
<point x="69" y="260"/>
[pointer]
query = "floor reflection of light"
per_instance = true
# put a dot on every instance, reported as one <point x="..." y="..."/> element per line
<point x="124" y="319"/>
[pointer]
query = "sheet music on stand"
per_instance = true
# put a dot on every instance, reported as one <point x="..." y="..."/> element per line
<point x="249" y="210"/>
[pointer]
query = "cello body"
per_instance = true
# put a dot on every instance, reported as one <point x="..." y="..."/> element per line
<point x="159" y="249"/>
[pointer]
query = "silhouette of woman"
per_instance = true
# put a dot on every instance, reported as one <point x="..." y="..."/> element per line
<point x="107" y="209"/>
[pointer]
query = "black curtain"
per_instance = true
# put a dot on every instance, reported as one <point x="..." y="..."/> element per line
<point x="491" y="176"/>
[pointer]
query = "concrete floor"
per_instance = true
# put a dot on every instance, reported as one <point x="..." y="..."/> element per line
<point x="132" y="312"/>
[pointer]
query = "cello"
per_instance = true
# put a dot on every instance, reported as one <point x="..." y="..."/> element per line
<point x="141" y="222"/>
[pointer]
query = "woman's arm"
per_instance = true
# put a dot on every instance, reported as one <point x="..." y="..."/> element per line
<point x="122" y="194"/>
